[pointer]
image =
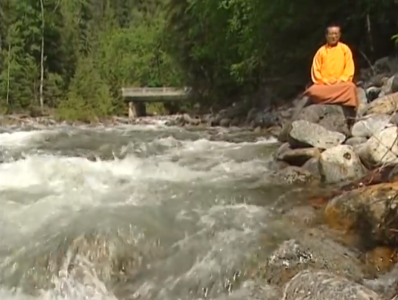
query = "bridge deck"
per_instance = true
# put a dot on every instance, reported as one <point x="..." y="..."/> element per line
<point x="155" y="94"/>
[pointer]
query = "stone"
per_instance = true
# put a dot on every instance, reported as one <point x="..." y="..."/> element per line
<point x="386" y="105"/>
<point x="394" y="84"/>
<point x="362" y="96"/>
<point x="353" y="141"/>
<point x="323" y="285"/>
<point x="370" y="125"/>
<point x="372" y="93"/>
<point x="386" y="89"/>
<point x="385" y="284"/>
<point x="339" y="164"/>
<point x="381" y="148"/>
<point x="331" y="117"/>
<point x="304" y="133"/>
<point x="252" y="290"/>
<point x="291" y="175"/>
<point x="311" y="249"/>
<point x="381" y="258"/>
<point x="225" y="122"/>
<point x="312" y="166"/>
<point x="296" y="157"/>
<point x="370" y="211"/>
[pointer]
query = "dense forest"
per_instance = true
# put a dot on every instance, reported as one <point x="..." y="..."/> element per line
<point x="71" y="57"/>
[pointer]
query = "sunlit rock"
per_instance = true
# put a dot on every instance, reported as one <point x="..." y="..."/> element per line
<point x="311" y="249"/>
<point x="304" y="133"/>
<point x="371" y="211"/>
<point x="340" y="163"/>
<point x="322" y="285"/>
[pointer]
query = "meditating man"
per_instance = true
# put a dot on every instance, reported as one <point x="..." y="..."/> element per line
<point x="332" y="72"/>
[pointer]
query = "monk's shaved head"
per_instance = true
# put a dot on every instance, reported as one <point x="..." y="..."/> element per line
<point x="332" y="27"/>
<point x="333" y="34"/>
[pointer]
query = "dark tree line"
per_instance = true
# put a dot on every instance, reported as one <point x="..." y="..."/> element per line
<point x="73" y="56"/>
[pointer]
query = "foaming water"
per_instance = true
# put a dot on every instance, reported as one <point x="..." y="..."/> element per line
<point x="130" y="212"/>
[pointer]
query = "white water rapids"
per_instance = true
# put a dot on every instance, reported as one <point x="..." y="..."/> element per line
<point x="133" y="212"/>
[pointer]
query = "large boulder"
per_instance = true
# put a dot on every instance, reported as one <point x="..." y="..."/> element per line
<point x="322" y="285"/>
<point x="311" y="249"/>
<point x="340" y="163"/>
<point x="381" y="148"/>
<point x="304" y="133"/>
<point x="370" y="125"/>
<point x="370" y="211"/>
<point x="296" y="157"/>
<point x="386" y="105"/>
<point x="331" y="117"/>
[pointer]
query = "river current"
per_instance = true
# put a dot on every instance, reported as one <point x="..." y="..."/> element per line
<point x="132" y="212"/>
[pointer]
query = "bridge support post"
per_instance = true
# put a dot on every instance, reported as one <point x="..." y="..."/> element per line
<point x="136" y="109"/>
<point x="132" y="111"/>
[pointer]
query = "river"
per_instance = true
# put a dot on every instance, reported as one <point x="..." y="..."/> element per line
<point x="132" y="212"/>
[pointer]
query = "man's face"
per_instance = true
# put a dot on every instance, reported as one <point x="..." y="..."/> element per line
<point x="333" y="35"/>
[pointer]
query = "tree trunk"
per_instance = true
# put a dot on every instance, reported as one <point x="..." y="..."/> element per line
<point x="42" y="58"/>
<point x="8" y="73"/>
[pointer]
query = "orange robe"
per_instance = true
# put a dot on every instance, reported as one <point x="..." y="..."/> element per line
<point x="333" y="64"/>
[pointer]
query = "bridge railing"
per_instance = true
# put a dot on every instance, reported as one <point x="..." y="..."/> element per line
<point x="161" y="91"/>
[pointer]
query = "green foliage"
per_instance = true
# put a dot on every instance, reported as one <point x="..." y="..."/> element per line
<point x="223" y="49"/>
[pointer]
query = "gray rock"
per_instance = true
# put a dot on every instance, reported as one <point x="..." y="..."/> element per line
<point x="291" y="175"/>
<point x="370" y="125"/>
<point x="304" y="133"/>
<point x="353" y="141"/>
<point x="373" y="93"/>
<point x="322" y="285"/>
<point x="331" y="117"/>
<point x="362" y="96"/>
<point x="386" y="89"/>
<point x="381" y="148"/>
<point x="312" y="166"/>
<point x="311" y="249"/>
<point x="340" y="164"/>
<point x="296" y="157"/>
<point x="225" y="122"/>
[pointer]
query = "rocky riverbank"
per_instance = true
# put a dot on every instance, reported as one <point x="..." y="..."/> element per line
<point x="346" y="230"/>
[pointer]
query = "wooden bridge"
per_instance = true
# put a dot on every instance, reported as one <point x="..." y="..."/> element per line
<point x="136" y="97"/>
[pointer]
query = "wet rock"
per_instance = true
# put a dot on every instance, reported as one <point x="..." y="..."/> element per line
<point x="322" y="285"/>
<point x="304" y="133"/>
<point x="302" y="215"/>
<point x="252" y="290"/>
<point x="296" y="157"/>
<point x="113" y="256"/>
<point x="312" y="166"/>
<point x="339" y="164"/>
<point x="381" y="258"/>
<point x="381" y="148"/>
<point x="370" y="125"/>
<point x="386" y="105"/>
<point x="385" y="284"/>
<point x="291" y="175"/>
<point x="371" y="211"/>
<point x="311" y="249"/>
<point x="353" y="141"/>
<point x="225" y="122"/>
<point x="265" y="119"/>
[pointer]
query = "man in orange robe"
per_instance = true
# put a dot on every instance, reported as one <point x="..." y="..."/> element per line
<point x="332" y="73"/>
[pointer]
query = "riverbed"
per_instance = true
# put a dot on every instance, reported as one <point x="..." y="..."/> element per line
<point x="132" y="212"/>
